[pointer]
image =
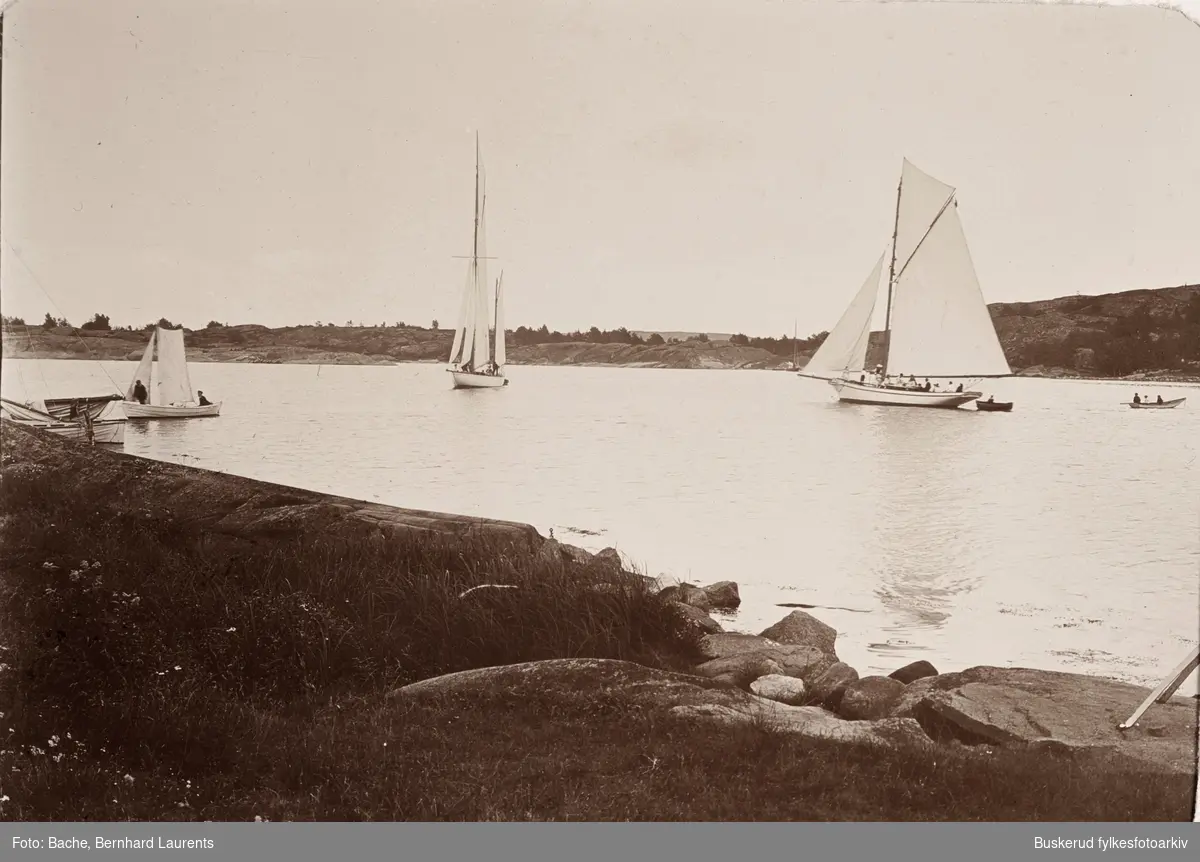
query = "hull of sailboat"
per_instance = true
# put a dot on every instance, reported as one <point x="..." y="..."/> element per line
<point x="60" y="408"/>
<point x="865" y="393"/>
<point x="133" y="410"/>
<point x="1154" y="405"/>
<point x="106" y="431"/>
<point x="470" y="380"/>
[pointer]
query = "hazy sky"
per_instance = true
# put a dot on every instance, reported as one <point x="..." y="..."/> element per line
<point x="673" y="164"/>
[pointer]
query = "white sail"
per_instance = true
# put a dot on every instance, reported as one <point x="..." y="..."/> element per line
<point x="940" y="325"/>
<point x="501" y="353"/>
<point x="174" y="385"/>
<point x="482" y="343"/>
<point x="922" y="197"/>
<point x="845" y="348"/>
<point x="457" y="350"/>
<point x="144" y="369"/>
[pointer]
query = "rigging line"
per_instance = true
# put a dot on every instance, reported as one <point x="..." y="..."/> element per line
<point x="50" y="299"/>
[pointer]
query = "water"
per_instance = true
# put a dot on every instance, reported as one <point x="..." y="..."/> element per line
<point x="1065" y="535"/>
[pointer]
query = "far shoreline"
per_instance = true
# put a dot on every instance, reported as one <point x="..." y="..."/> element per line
<point x="1149" y="377"/>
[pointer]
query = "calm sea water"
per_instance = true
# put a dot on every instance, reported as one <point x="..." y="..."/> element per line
<point x="1065" y="535"/>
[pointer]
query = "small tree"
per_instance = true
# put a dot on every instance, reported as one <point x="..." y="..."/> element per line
<point x="49" y="322"/>
<point x="214" y="324"/>
<point x="435" y="324"/>
<point x="98" y="323"/>
<point x="655" y="339"/>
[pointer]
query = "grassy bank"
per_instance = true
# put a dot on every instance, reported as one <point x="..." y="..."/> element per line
<point x="153" y="669"/>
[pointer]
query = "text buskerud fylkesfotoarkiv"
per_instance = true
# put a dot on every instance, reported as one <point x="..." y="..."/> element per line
<point x="1103" y="843"/>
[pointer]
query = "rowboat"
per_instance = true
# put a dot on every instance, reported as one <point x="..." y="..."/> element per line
<point x="1156" y="405"/>
<point x="106" y="431"/>
<point x="994" y="406"/>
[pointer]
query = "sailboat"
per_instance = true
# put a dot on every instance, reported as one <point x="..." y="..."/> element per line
<point x="168" y="385"/>
<point x="86" y="429"/>
<point x="476" y="362"/>
<point x="937" y="328"/>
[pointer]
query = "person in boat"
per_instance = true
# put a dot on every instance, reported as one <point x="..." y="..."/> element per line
<point x="139" y="392"/>
<point x="204" y="402"/>
<point x="1137" y="399"/>
<point x="991" y="398"/>
<point x="1160" y="399"/>
<point x="74" y="408"/>
<point x="862" y="378"/>
<point x="928" y="387"/>
<point x="959" y="389"/>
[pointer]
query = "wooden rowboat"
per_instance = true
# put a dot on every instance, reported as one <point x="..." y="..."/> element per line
<point x="1156" y="405"/>
<point x="994" y="406"/>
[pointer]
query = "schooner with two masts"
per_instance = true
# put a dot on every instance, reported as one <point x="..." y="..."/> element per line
<point x="476" y="362"/>
<point x="937" y="326"/>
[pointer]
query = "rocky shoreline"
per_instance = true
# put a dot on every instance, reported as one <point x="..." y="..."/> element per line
<point x="790" y="675"/>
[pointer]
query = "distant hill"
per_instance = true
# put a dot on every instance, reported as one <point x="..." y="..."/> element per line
<point x="1114" y="335"/>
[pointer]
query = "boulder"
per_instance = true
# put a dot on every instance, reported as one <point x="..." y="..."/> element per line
<point x="799" y="661"/>
<point x="733" y="643"/>
<point x="870" y="698"/>
<point x="1022" y="706"/>
<point x="723" y="595"/>
<point x="740" y="670"/>
<point x="610" y="559"/>
<point x="687" y="594"/>
<point x="913" y="672"/>
<point x="806" y="721"/>
<point x="784" y="689"/>
<point x="830" y="686"/>
<point x="697" y="617"/>
<point x="802" y="628"/>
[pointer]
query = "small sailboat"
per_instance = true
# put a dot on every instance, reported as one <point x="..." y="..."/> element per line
<point x="937" y="326"/>
<point x="87" y="429"/>
<point x="476" y="361"/>
<point x="168" y="384"/>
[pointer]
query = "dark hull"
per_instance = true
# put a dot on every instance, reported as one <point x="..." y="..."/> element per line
<point x="994" y="406"/>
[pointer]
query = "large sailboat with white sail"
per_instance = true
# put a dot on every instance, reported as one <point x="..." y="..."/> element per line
<point x="938" y="334"/>
<point x="476" y="359"/>
<point x="163" y="390"/>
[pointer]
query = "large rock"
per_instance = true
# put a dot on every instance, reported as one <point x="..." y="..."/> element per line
<point x="697" y="617"/>
<point x="829" y="687"/>
<point x="687" y="594"/>
<point x="870" y="698"/>
<point x="610" y="559"/>
<point x="804" y="629"/>
<point x="784" y="689"/>
<point x="807" y="721"/>
<point x="914" y="671"/>
<point x="733" y="643"/>
<point x="723" y="595"/>
<point x="799" y="661"/>
<point x="1021" y="706"/>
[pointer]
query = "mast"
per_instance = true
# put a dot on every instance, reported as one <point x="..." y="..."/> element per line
<point x="496" y="318"/>
<point x="887" y="324"/>
<point x="795" y="332"/>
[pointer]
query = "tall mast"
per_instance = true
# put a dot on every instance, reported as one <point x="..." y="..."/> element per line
<point x="496" y="317"/>
<point x="887" y="325"/>
<point x="475" y="245"/>
<point x="795" y="332"/>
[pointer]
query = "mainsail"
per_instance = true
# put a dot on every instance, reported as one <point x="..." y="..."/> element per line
<point x="844" y="350"/>
<point x="940" y="322"/>
<point x="174" y="384"/>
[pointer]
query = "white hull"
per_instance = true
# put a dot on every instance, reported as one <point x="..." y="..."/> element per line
<point x="133" y="410"/>
<point x="107" y="431"/>
<point x="470" y="380"/>
<point x="853" y="392"/>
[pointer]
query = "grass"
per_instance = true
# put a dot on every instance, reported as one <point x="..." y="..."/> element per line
<point x="183" y="675"/>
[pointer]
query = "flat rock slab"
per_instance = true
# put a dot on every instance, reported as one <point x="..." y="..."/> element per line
<point x="808" y="721"/>
<point x="1007" y="706"/>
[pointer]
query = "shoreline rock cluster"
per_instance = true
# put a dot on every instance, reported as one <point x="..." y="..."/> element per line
<point x="790" y="676"/>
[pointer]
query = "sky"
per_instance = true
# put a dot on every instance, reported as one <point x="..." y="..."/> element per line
<point x="658" y="164"/>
